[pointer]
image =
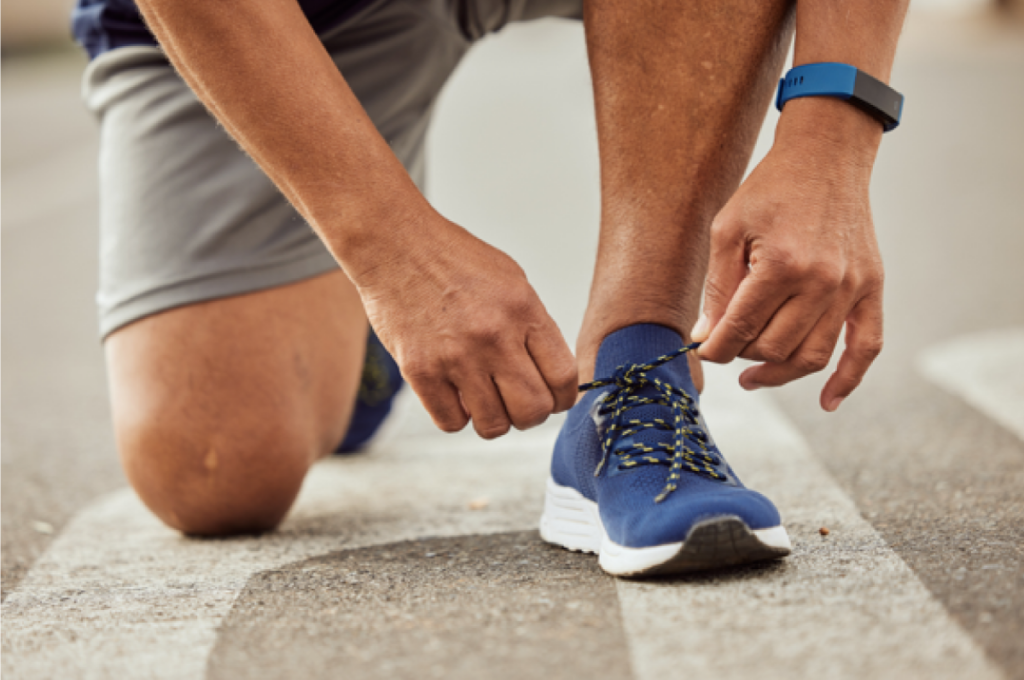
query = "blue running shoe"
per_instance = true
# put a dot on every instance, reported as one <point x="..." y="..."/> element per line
<point x="637" y="478"/>
<point x="377" y="389"/>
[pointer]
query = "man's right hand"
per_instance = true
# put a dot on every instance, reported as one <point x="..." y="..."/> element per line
<point x="468" y="331"/>
<point x="466" y="328"/>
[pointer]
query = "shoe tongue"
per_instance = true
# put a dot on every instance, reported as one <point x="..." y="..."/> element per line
<point x="641" y="344"/>
<point x="635" y="345"/>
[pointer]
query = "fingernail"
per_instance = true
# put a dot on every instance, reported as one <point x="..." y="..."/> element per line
<point x="834" y="404"/>
<point x="752" y="386"/>
<point x="700" y="331"/>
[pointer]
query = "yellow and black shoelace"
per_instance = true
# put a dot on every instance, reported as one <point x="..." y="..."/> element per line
<point x="627" y="382"/>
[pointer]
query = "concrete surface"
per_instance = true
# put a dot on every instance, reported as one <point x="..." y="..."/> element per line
<point x="940" y="479"/>
<point x="346" y="584"/>
<point x="980" y="376"/>
<point x="420" y="559"/>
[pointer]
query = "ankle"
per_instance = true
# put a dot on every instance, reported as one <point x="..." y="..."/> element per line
<point x="596" y="329"/>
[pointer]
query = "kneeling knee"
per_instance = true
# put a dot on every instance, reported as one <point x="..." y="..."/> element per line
<point x="216" y="483"/>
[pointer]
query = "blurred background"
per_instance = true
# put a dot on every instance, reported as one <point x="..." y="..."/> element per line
<point x="931" y="448"/>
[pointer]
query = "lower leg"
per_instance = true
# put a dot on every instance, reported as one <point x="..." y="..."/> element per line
<point x="681" y="90"/>
<point x="220" y="408"/>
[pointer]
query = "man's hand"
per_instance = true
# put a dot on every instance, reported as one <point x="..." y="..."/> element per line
<point x="468" y="331"/>
<point x="459" y="316"/>
<point x="794" y="256"/>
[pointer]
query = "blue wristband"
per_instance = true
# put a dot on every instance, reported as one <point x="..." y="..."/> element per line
<point x="843" y="82"/>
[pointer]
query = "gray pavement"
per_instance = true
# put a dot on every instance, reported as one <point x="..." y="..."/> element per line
<point x="940" y="478"/>
<point x="420" y="558"/>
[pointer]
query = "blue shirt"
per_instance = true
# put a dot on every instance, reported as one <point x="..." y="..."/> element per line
<point x="103" y="25"/>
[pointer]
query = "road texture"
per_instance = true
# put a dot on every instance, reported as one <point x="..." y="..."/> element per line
<point x="421" y="559"/>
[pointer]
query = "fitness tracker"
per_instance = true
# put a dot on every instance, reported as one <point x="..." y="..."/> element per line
<point x="844" y="82"/>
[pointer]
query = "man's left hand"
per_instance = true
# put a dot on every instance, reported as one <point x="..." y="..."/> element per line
<point x="794" y="256"/>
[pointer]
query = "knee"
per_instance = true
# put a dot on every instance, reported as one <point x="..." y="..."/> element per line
<point x="236" y="478"/>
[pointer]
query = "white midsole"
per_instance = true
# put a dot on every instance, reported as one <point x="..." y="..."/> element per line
<point x="572" y="521"/>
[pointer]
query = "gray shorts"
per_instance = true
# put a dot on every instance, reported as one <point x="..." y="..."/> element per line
<point x="186" y="216"/>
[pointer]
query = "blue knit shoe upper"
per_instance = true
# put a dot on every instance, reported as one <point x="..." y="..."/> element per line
<point x="638" y="446"/>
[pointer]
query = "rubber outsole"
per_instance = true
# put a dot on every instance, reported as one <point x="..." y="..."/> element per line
<point x="572" y="521"/>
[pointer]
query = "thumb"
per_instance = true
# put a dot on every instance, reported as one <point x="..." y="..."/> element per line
<point x="727" y="268"/>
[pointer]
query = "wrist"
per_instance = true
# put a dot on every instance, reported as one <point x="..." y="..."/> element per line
<point x="376" y="232"/>
<point x="831" y="126"/>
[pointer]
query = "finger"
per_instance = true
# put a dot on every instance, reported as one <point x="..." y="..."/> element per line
<point x="528" y="401"/>
<point x="442" y="402"/>
<point x="696" y="371"/>
<point x="727" y="268"/>
<point x="756" y="300"/>
<point x="787" y="329"/>
<point x="812" y="356"/>
<point x="480" y="395"/>
<point x="557" y="365"/>
<point x="863" y="345"/>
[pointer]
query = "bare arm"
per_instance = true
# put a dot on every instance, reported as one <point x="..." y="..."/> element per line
<point x="794" y="255"/>
<point x="261" y="70"/>
<point x="464" y="324"/>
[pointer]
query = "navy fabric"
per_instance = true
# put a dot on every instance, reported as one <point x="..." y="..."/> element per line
<point x="626" y="495"/>
<point x="103" y="25"/>
<point x="380" y="383"/>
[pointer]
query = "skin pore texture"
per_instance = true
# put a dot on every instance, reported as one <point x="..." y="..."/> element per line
<point x="221" y="407"/>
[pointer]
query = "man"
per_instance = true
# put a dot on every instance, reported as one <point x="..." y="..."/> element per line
<point x="236" y="336"/>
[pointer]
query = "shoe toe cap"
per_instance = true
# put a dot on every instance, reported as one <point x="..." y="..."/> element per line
<point x="670" y="521"/>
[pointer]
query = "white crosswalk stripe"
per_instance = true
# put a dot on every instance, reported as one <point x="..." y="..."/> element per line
<point x="986" y="369"/>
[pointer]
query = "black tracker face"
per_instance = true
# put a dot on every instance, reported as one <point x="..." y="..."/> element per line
<point x="877" y="99"/>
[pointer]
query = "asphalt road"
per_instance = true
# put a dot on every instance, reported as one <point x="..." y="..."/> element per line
<point x="420" y="559"/>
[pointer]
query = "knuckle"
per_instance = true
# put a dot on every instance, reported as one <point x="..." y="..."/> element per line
<point x="725" y="229"/>
<point x="812" y="361"/>
<point x="492" y="429"/>
<point x="853" y="283"/>
<point x="795" y="268"/>
<point x="486" y="332"/>
<point x="564" y="379"/>
<point x="773" y="352"/>
<point x="450" y="422"/>
<point x="865" y="280"/>
<point x="742" y="329"/>
<point x="781" y="263"/>
<point x="535" y="416"/>
<point x="875" y="279"/>
<point x="825" y="275"/>
<point x="870" y="349"/>
<point x="419" y="369"/>
<point x="520" y="300"/>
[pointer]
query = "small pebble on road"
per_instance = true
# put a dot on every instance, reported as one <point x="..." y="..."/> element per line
<point x="42" y="527"/>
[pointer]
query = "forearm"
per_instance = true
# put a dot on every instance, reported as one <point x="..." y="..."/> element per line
<point x="263" y="73"/>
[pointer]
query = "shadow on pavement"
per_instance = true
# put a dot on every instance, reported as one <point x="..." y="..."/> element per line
<point x="497" y="606"/>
